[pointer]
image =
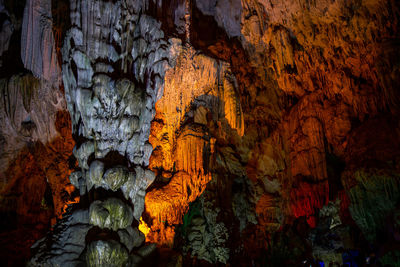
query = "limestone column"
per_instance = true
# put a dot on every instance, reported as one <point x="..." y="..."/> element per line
<point x="114" y="61"/>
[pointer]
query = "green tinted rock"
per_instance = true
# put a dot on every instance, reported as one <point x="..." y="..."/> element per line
<point x="115" y="177"/>
<point x="392" y="258"/>
<point x="106" y="253"/>
<point x="95" y="174"/>
<point x="111" y="213"/>
<point x="372" y="199"/>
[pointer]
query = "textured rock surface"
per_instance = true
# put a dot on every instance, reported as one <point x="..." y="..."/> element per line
<point x="207" y="238"/>
<point x="262" y="116"/>
<point x="35" y="137"/>
<point x="6" y="31"/>
<point x="112" y="214"/>
<point x="25" y="117"/>
<point x="106" y="253"/>
<point x="65" y="243"/>
<point x="372" y="199"/>
<point x="38" y="51"/>
<point x="131" y="237"/>
<point x="182" y="158"/>
<point x="38" y="191"/>
<point x="111" y="97"/>
<point x="310" y="82"/>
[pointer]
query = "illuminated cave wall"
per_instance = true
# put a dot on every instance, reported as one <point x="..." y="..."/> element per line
<point x="298" y="85"/>
<point x="276" y="119"/>
<point x="36" y="141"/>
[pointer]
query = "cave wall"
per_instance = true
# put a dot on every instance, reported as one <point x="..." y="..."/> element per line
<point x="36" y="140"/>
<point x="257" y="120"/>
<point x="311" y="81"/>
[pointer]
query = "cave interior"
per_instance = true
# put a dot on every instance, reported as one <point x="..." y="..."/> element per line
<point x="200" y="133"/>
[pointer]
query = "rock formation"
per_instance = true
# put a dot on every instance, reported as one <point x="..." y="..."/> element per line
<point x="305" y="86"/>
<point x="110" y="96"/>
<point x="6" y="30"/>
<point x="202" y="132"/>
<point x="38" y="51"/>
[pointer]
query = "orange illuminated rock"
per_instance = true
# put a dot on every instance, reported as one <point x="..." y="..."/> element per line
<point x="268" y="112"/>
<point x="308" y="75"/>
<point x="38" y="189"/>
<point x="39" y="165"/>
<point x="70" y="189"/>
<point x="199" y="90"/>
<point x="269" y="212"/>
<point x="143" y="227"/>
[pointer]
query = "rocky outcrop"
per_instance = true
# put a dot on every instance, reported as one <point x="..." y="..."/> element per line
<point x="330" y="235"/>
<point x="64" y="245"/>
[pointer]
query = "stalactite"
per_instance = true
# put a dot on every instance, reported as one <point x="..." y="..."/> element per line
<point x="251" y="117"/>
<point x="38" y="51"/>
<point x="114" y="118"/>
